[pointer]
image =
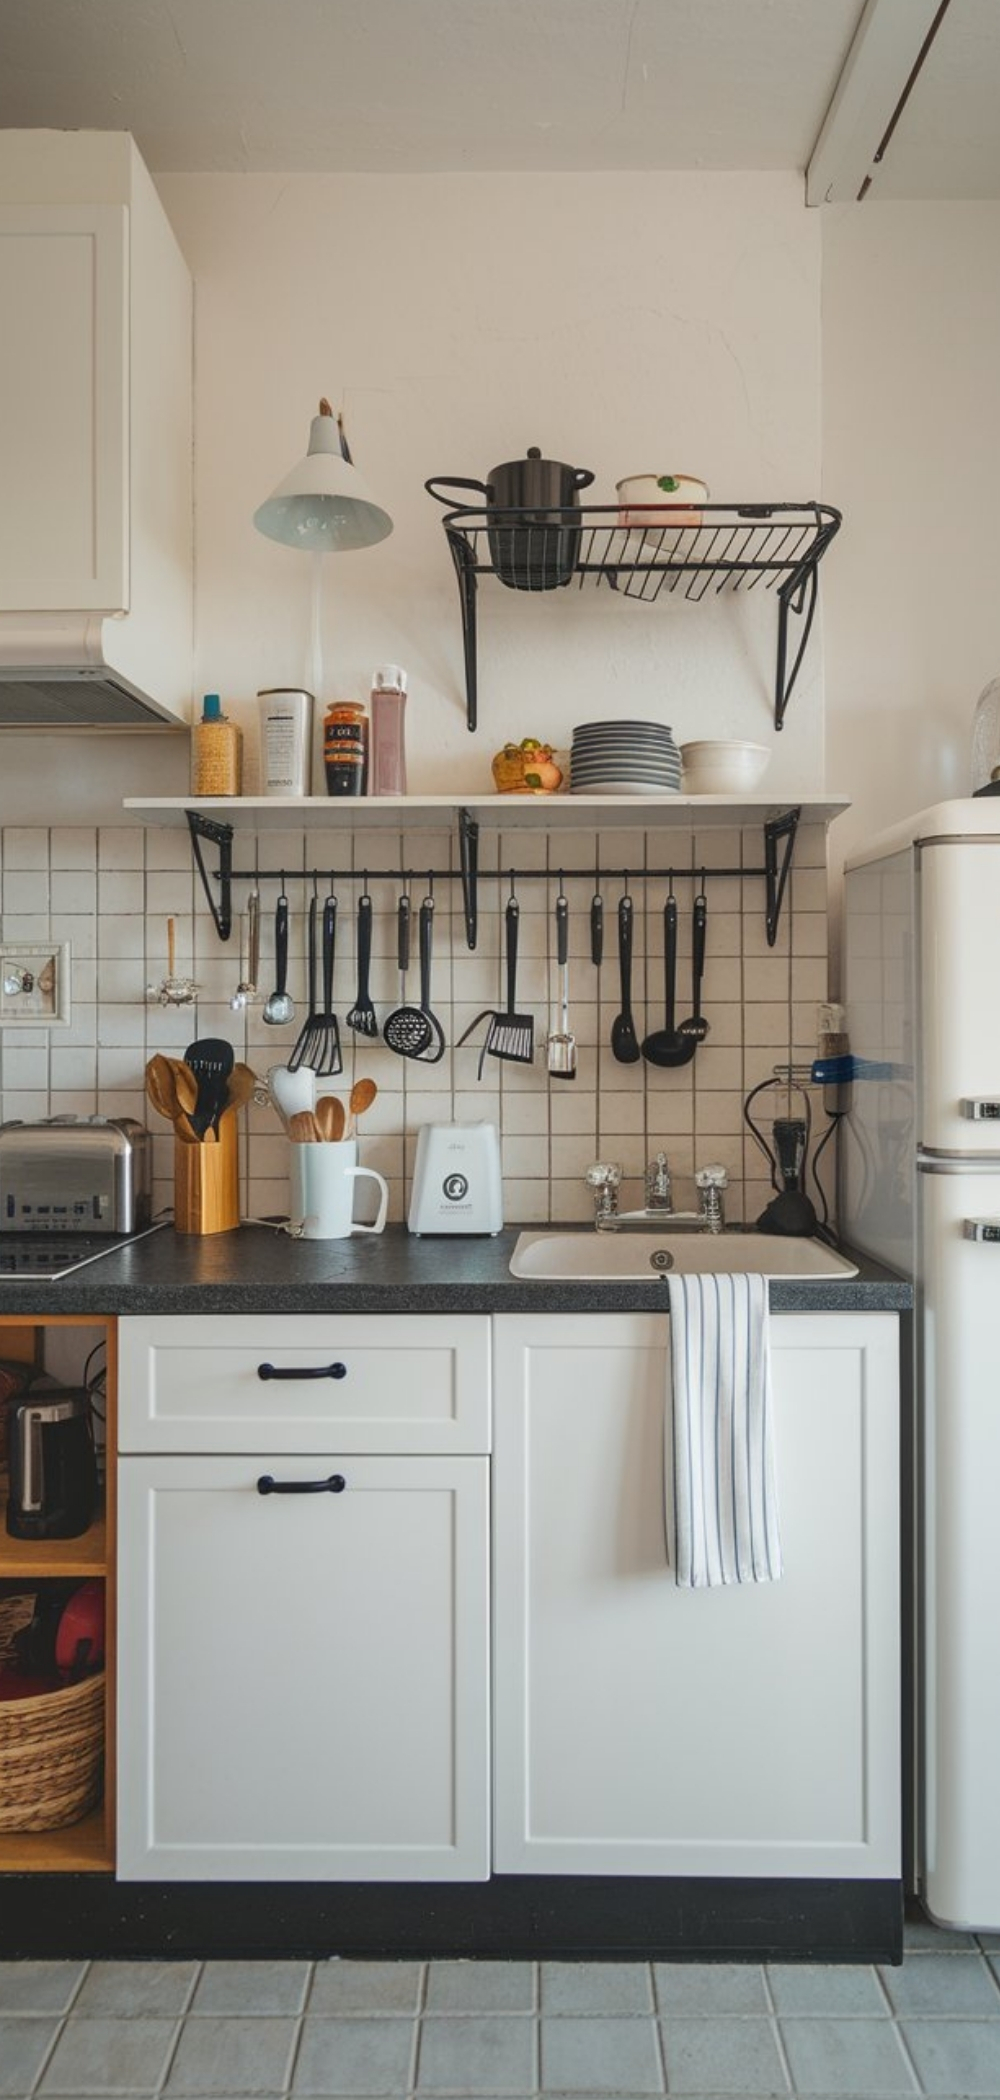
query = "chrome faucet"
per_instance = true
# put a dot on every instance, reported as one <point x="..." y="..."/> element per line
<point x="604" y="1179"/>
<point x="659" y="1191"/>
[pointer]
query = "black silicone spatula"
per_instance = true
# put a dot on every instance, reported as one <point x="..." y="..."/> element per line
<point x="210" y="1058"/>
<point x="624" y="1041"/>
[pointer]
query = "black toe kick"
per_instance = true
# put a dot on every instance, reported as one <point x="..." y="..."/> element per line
<point x="523" y="1918"/>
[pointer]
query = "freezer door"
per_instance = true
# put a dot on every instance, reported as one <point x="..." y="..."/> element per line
<point x="958" y="1501"/>
<point x="878" y="1140"/>
<point x="959" y="925"/>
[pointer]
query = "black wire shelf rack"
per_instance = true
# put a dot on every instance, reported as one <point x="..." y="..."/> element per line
<point x="737" y="547"/>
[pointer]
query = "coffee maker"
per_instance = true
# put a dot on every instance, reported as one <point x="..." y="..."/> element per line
<point x="53" y="1465"/>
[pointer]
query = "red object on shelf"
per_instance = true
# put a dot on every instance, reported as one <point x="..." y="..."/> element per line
<point x="80" y="1633"/>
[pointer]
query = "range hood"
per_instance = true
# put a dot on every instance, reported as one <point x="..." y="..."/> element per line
<point x="60" y="672"/>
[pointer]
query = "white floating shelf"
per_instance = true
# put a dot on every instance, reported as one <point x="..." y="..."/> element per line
<point x="500" y="812"/>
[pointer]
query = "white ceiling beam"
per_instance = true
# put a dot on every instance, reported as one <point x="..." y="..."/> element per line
<point x="888" y="46"/>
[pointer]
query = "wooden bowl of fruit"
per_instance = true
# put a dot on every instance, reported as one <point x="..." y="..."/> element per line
<point x="527" y="768"/>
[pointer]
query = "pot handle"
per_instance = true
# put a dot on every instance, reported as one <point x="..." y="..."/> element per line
<point x="455" y="481"/>
<point x="582" y="477"/>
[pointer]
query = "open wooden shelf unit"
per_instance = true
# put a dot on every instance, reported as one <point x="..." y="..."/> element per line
<point x="86" y="1847"/>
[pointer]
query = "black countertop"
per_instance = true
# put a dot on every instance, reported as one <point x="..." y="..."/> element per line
<point x="257" y="1269"/>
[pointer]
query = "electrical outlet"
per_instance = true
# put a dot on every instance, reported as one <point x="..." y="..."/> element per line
<point x="34" y="984"/>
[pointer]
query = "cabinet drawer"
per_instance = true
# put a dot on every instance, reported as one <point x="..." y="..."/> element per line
<point x="405" y="1383"/>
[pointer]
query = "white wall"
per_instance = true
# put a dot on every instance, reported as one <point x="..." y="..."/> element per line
<point x="619" y="322"/>
<point x="911" y="453"/>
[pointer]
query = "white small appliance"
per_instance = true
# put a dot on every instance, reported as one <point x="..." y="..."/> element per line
<point x="456" y="1179"/>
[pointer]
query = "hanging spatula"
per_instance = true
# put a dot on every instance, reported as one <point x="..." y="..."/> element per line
<point x="511" y="1034"/>
<point x="562" y="1044"/>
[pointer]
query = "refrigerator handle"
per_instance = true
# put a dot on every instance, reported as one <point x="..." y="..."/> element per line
<point x="980" y="1108"/>
<point x="981" y="1228"/>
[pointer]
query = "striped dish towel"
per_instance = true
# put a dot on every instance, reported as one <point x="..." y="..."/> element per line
<point x="721" y="1433"/>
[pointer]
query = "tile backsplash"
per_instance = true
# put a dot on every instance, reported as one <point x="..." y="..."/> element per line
<point x="110" y="891"/>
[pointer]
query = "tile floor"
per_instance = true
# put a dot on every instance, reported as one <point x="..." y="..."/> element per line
<point x="356" y="2028"/>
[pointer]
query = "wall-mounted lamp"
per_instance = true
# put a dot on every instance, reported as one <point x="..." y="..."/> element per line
<point x="323" y="504"/>
<point x="323" y="507"/>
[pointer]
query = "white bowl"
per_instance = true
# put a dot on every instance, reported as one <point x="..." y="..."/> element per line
<point x="639" y="491"/>
<point x="723" y="768"/>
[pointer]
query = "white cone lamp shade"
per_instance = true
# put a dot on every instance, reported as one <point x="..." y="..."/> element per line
<point x="323" y="504"/>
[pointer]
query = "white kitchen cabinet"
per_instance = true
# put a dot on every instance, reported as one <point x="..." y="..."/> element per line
<point x="409" y="1383"/>
<point x="643" y="1729"/>
<point x="96" y="418"/>
<point x="303" y="1676"/>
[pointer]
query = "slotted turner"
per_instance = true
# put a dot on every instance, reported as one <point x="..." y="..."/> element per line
<point x="511" y="1034"/>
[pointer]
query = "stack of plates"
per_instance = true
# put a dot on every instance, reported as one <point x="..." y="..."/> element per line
<point x="624" y="758"/>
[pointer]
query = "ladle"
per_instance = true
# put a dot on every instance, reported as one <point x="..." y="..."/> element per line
<point x="666" y="1045"/>
<point x="279" y="1007"/>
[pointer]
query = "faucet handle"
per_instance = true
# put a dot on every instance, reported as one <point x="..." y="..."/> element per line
<point x="604" y="1178"/>
<point x="603" y="1175"/>
<point x="712" y="1177"/>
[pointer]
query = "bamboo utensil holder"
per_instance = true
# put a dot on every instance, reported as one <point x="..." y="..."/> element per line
<point x="206" y="1182"/>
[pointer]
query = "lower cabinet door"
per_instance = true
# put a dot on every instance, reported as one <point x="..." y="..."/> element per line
<point x="303" y="1676"/>
<point x="643" y="1729"/>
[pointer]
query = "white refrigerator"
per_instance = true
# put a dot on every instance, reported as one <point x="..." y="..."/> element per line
<point x="920" y="1189"/>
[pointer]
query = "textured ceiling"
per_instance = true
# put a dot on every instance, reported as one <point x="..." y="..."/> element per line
<point x="326" y="85"/>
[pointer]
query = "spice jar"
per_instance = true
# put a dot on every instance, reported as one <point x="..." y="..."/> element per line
<point x="345" y="748"/>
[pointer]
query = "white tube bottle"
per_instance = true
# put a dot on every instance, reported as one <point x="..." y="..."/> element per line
<point x="285" y="740"/>
<point x="387" y="757"/>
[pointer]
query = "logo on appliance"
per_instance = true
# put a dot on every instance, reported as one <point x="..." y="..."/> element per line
<point x="455" y="1187"/>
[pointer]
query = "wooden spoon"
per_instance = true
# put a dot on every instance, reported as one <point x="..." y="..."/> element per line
<point x="185" y="1083"/>
<point x="303" y="1128"/>
<point x="363" y="1093"/>
<point x="241" y="1085"/>
<point x="160" y="1087"/>
<point x="331" y="1117"/>
<point x="162" y="1092"/>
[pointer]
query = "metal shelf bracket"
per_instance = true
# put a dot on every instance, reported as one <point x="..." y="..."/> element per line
<point x="221" y="835"/>
<point x="777" y="829"/>
<point x="468" y="851"/>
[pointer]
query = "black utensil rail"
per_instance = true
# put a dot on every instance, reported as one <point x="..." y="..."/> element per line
<point x="779" y="842"/>
<point x="737" y="547"/>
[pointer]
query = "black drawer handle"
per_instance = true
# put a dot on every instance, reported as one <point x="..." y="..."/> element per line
<point x="319" y="1371"/>
<point x="267" y="1485"/>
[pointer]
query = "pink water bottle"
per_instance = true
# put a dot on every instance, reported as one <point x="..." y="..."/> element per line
<point x="387" y="757"/>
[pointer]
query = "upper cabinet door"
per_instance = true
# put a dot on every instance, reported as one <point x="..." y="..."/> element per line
<point x="64" y="408"/>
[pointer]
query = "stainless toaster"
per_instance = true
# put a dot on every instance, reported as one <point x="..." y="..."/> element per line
<point x="75" y="1174"/>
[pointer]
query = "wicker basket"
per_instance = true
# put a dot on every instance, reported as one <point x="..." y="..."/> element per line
<point x="51" y="1756"/>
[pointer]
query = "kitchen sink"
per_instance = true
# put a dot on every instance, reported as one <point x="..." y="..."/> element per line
<point x="641" y="1257"/>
